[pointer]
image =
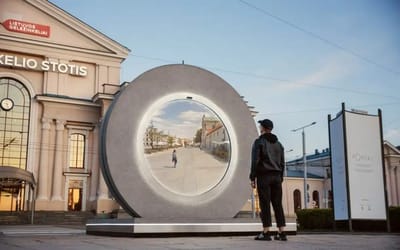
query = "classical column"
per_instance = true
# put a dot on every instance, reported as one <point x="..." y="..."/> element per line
<point x="393" y="186"/>
<point x="44" y="161"/>
<point x="388" y="178"/>
<point x="103" y="190"/>
<point x="94" y="178"/>
<point x="58" y="165"/>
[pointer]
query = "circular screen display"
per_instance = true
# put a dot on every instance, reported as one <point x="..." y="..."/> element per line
<point x="187" y="147"/>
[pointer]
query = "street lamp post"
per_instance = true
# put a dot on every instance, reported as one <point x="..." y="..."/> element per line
<point x="304" y="160"/>
<point x="287" y="151"/>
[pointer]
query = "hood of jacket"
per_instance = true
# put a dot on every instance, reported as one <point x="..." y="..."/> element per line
<point x="270" y="137"/>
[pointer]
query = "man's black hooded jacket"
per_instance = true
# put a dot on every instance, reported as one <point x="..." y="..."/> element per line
<point x="267" y="156"/>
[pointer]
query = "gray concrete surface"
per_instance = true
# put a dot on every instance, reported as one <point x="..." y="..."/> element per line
<point x="309" y="241"/>
<point x="40" y="230"/>
<point x="196" y="171"/>
<point x="72" y="238"/>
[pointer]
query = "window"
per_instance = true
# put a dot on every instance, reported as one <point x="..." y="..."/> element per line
<point x="15" y="105"/>
<point x="77" y="151"/>
<point x="297" y="199"/>
<point x="14" y="123"/>
<point x="315" y="197"/>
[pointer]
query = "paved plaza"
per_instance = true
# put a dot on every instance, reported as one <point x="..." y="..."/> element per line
<point x="59" y="237"/>
<point x="196" y="172"/>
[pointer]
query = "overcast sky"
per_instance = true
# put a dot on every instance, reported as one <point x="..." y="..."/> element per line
<point x="180" y="118"/>
<point x="295" y="61"/>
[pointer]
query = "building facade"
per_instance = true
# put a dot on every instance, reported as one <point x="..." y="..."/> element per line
<point x="207" y="125"/>
<point x="215" y="139"/>
<point x="57" y="78"/>
<point x="392" y="170"/>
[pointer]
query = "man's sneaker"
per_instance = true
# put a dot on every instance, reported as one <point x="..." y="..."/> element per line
<point x="280" y="236"/>
<point x="263" y="236"/>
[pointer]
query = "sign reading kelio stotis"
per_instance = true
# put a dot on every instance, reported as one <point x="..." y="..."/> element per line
<point x="43" y="65"/>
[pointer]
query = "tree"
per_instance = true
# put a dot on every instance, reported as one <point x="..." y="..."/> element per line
<point x="150" y="132"/>
<point x="197" y="138"/>
<point x="170" y="140"/>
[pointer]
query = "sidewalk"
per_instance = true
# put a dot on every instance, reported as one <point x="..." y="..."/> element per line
<point x="41" y="230"/>
<point x="72" y="237"/>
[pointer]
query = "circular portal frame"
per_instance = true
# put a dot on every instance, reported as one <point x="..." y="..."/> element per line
<point x="128" y="174"/>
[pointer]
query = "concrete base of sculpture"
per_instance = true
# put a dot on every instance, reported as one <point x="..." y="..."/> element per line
<point x="149" y="228"/>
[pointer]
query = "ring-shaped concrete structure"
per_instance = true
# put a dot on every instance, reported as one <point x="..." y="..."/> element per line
<point x="128" y="174"/>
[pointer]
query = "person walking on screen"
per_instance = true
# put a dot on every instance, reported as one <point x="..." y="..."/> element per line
<point x="267" y="167"/>
<point x="174" y="158"/>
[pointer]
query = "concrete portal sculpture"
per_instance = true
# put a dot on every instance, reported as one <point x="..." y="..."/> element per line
<point x="127" y="172"/>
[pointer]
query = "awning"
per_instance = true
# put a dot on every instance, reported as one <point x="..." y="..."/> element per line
<point x="12" y="177"/>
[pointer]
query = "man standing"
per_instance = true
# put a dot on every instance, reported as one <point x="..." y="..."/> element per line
<point x="267" y="167"/>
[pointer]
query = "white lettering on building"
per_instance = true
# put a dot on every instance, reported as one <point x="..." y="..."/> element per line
<point x="33" y="64"/>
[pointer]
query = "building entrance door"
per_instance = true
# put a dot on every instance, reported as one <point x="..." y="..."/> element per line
<point x="75" y="199"/>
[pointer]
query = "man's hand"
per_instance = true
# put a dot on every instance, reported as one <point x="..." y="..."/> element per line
<point x="253" y="184"/>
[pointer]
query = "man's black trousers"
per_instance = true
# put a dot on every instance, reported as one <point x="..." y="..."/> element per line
<point x="270" y="191"/>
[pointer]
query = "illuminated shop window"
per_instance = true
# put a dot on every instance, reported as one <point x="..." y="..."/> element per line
<point x="14" y="123"/>
<point x="77" y="151"/>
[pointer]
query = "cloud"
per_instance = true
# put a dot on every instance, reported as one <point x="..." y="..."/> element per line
<point x="180" y="129"/>
<point x="194" y="116"/>
<point x="333" y="69"/>
<point x="160" y="112"/>
<point x="392" y="135"/>
<point x="184" y="125"/>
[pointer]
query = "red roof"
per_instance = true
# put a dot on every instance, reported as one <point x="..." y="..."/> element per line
<point x="219" y="125"/>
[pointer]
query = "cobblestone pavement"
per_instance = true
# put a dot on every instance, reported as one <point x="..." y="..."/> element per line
<point x="59" y="238"/>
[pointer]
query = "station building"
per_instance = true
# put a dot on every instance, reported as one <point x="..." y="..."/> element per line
<point x="58" y="76"/>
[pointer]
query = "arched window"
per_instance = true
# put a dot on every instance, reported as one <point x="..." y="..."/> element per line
<point x="14" y="123"/>
<point x="15" y="104"/>
<point x="315" y="197"/>
<point x="297" y="199"/>
<point x="77" y="151"/>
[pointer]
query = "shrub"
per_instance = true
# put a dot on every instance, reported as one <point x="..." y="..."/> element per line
<point x="315" y="218"/>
